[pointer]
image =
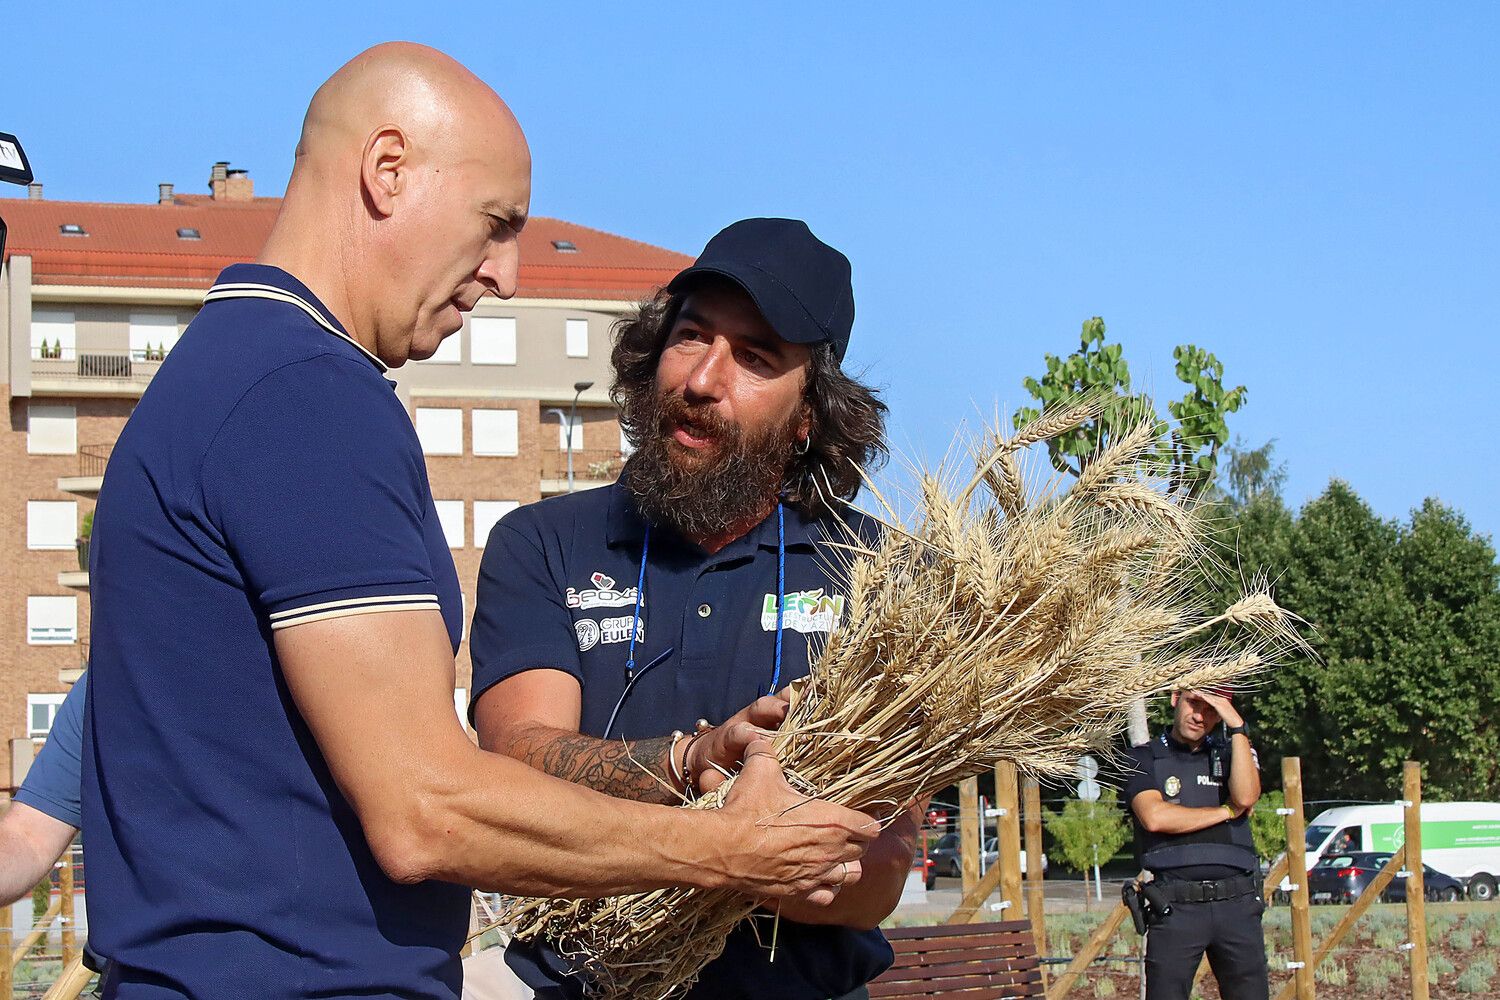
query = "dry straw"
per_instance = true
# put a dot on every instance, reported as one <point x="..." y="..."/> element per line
<point x="1005" y="621"/>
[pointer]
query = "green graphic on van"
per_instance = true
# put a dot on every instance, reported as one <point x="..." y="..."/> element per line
<point x="1438" y="835"/>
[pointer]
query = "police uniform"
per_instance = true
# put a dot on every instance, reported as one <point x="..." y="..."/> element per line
<point x="1210" y="877"/>
<point x="559" y="587"/>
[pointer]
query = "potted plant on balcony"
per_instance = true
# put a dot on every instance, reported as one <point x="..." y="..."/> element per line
<point x="84" y="534"/>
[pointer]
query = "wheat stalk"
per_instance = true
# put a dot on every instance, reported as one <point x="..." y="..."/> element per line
<point x="1003" y="624"/>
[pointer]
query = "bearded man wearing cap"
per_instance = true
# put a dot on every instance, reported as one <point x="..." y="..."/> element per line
<point x="1190" y="792"/>
<point x="636" y="637"/>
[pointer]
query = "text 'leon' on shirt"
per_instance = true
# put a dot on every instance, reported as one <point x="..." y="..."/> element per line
<point x="268" y="477"/>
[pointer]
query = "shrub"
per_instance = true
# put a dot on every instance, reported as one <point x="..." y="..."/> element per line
<point x="1437" y="967"/>
<point x="1387" y="935"/>
<point x="1105" y="987"/>
<point x="1332" y="972"/>
<point x="1461" y="940"/>
<point x="1375" y="972"/>
<point x="1476" y="978"/>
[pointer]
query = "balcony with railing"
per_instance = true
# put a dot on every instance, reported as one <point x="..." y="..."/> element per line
<point x="92" y="459"/>
<point x="90" y="371"/>
<point x="591" y="468"/>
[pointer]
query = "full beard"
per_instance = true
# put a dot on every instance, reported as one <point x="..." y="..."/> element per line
<point x="703" y="492"/>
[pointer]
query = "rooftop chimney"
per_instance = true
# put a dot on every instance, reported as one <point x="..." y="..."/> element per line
<point x="164" y="194"/>
<point x="238" y="186"/>
<point x="218" y="181"/>
<point x="34" y="191"/>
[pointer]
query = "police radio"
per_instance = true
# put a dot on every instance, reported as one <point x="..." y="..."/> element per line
<point x="1218" y="756"/>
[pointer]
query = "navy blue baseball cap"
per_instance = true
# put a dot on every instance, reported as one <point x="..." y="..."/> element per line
<point x="800" y="284"/>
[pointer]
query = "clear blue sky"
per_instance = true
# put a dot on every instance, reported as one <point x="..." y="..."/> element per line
<point x="1310" y="190"/>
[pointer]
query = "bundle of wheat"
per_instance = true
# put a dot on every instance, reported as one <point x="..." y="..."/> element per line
<point x="1011" y="622"/>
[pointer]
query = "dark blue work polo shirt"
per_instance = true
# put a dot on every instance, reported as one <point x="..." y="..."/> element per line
<point x="51" y="785"/>
<point x="557" y="590"/>
<point x="269" y="477"/>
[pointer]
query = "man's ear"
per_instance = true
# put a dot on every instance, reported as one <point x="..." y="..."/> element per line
<point x="1174" y="699"/>
<point x="382" y="169"/>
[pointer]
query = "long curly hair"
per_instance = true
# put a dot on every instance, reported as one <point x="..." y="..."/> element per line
<point x="847" y="417"/>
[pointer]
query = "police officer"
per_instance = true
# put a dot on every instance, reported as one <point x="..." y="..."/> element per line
<point x="1190" y="793"/>
<point x="609" y="622"/>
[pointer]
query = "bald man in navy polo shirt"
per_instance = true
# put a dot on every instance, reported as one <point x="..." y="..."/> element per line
<point x="608" y="622"/>
<point x="278" y="800"/>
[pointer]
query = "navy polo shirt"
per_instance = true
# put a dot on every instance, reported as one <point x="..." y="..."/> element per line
<point x="557" y="590"/>
<point x="268" y="477"/>
<point x="51" y="785"/>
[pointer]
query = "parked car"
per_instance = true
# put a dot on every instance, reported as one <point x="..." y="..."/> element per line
<point x="1461" y="838"/>
<point x="946" y="859"/>
<point x="1343" y="878"/>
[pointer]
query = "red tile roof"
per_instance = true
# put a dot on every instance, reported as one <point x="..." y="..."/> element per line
<point x="138" y="246"/>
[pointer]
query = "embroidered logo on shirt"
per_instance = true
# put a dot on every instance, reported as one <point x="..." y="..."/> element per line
<point x="601" y="595"/>
<point x="591" y="633"/>
<point x="804" y="611"/>
<point x="1173" y="786"/>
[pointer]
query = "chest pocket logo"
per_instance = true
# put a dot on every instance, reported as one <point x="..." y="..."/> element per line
<point x="588" y="634"/>
<point x="1172" y="786"/>
<point x="804" y="611"/>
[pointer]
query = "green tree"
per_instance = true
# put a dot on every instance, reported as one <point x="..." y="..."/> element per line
<point x="1193" y="440"/>
<point x="1079" y="826"/>
<point x="1266" y="827"/>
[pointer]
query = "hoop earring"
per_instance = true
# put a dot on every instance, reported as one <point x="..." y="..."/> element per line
<point x="806" y="446"/>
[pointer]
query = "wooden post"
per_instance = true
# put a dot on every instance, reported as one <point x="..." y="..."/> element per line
<point x="1090" y="951"/>
<point x="5" y="980"/>
<point x="1370" y="895"/>
<point x="1273" y="879"/>
<point x="71" y="983"/>
<point x="65" y="911"/>
<point x="970" y="833"/>
<point x="968" y="907"/>
<point x="38" y="931"/>
<point x="1296" y="862"/>
<point x="1416" y="896"/>
<point x="1036" y="908"/>
<point x="1008" y="799"/>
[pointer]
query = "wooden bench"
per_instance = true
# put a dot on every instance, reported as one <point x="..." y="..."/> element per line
<point x="988" y="961"/>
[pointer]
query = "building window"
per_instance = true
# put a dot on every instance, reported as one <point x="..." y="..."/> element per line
<point x="51" y="524"/>
<point x="41" y="711"/>
<point x="496" y="432"/>
<point x="51" y="621"/>
<point x="486" y="514"/>
<point x="152" y="335"/>
<point x="578" y="338"/>
<point x="53" y="335"/>
<point x="492" y="340"/>
<point x="51" y="429"/>
<point x="450" y="351"/>
<point x="451" y="516"/>
<point x="441" y="431"/>
<point x="562" y="434"/>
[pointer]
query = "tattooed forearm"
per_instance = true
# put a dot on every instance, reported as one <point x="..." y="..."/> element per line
<point x="629" y="770"/>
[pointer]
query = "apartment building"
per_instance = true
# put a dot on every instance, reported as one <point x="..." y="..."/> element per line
<point x="93" y="296"/>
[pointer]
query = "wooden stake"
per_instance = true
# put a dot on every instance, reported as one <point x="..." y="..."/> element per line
<point x="970" y="833"/>
<point x="1370" y="895"/>
<point x="5" y="979"/>
<point x="65" y="911"/>
<point x="38" y="931"/>
<point x="1296" y="861"/>
<point x="1008" y="799"/>
<point x="1090" y="951"/>
<point x="968" y="907"/>
<point x="70" y="985"/>
<point x="1036" y="908"/>
<point x="1416" y="896"/>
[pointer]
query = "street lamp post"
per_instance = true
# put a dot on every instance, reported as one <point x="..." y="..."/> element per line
<point x="567" y="421"/>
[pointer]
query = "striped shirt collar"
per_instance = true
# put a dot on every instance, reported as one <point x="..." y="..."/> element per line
<point x="273" y="284"/>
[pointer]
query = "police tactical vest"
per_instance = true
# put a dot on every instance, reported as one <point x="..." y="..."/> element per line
<point x="1186" y="779"/>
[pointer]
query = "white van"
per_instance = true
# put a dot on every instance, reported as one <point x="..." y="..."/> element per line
<point x="1461" y="839"/>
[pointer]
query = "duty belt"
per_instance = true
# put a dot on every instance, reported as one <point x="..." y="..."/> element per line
<point x="1205" y="892"/>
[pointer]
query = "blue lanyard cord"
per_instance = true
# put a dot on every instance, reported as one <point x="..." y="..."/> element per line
<point x="780" y="593"/>
<point x="635" y="620"/>
<point x="640" y="592"/>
